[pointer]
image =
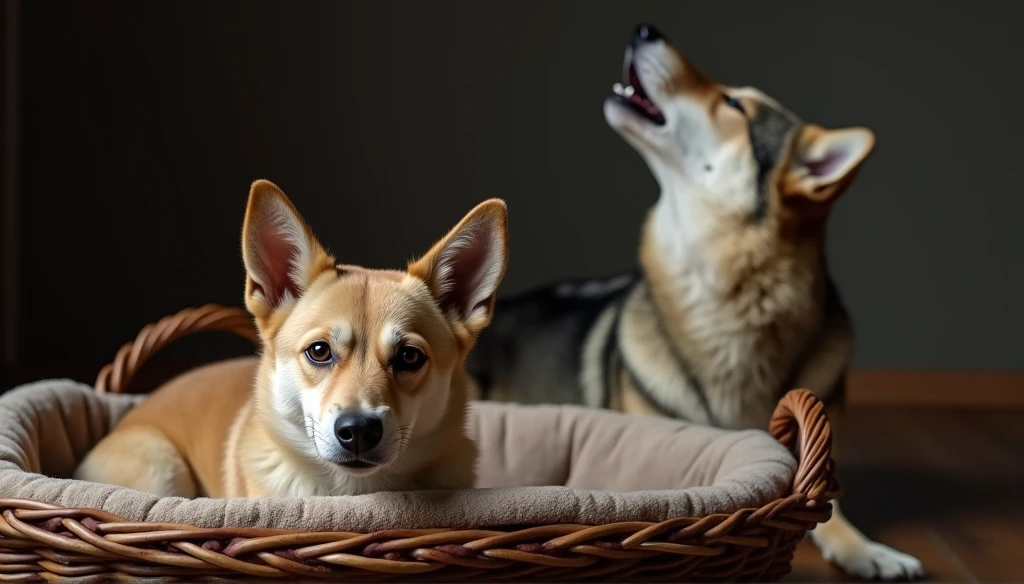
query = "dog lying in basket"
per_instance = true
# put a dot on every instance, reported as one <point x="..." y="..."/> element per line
<point x="360" y="387"/>
<point x="562" y="493"/>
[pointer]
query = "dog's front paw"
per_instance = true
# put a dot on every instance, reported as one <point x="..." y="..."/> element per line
<point x="869" y="560"/>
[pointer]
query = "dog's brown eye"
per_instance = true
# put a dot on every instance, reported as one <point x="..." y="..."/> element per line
<point x="409" y="358"/>
<point x="319" y="353"/>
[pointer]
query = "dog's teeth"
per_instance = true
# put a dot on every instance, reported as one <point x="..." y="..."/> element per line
<point x="617" y="88"/>
<point x="629" y="90"/>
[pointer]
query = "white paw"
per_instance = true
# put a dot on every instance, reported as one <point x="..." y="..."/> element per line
<point x="869" y="560"/>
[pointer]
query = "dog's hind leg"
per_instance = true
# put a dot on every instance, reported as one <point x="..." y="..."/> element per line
<point x="141" y="458"/>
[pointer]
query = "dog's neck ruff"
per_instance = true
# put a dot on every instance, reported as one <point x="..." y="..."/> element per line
<point x="618" y="363"/>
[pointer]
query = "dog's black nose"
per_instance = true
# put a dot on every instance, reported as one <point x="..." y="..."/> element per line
<point x="646" y="33"/>
<point x="359" y="433"/>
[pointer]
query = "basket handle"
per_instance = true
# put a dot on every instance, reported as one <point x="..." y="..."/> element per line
<point x="114" y="377"/>
<point x="800" y="424"/>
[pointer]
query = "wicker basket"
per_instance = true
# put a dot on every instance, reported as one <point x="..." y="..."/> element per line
<point x="44" y="541"/>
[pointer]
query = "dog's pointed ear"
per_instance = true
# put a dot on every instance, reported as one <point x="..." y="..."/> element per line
<point x="463" y="270"/>
<point x="281" y="255"/>
<point x="824" y="161"/>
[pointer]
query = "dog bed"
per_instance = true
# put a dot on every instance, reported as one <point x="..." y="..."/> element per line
<point x="566" y="493"/>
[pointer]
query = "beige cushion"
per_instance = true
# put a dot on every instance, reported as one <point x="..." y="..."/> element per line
<point x="538" y="465"/>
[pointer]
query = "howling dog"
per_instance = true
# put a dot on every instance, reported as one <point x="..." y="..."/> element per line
<point x="360" y="386"/>
<point x="732" y="304"/>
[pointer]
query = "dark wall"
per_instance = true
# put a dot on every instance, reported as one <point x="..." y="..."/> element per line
<point x="144" y="123"/>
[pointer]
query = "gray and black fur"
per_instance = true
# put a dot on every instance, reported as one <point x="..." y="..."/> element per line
<point x="532" y="350"/>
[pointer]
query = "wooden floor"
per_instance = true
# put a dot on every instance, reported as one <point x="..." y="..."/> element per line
<point x="945" y="485"/>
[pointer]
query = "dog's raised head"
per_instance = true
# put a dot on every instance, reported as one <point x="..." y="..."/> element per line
<point x="721" y="152"/>
<point x="363" y="369"/>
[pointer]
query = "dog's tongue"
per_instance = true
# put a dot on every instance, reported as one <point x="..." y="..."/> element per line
<point x="646" y="104"/>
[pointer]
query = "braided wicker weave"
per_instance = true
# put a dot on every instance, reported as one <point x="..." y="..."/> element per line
<point x="44" y="541"/>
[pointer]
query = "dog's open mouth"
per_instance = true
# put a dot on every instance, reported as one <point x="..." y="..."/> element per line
<point x="632" y="93"/>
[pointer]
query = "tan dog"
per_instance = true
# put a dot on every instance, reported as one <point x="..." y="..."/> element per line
<point x="359" y="388"/>
<point x="732" y="304"/>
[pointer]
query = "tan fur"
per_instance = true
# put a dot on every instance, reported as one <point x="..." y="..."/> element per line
<point x="180" y="423"/>
<point x="265" y="426"/>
